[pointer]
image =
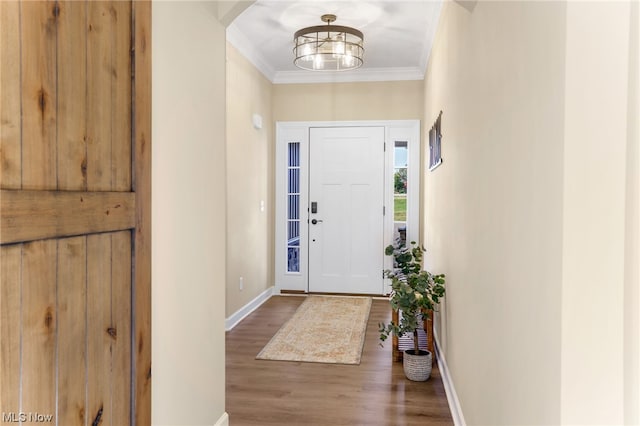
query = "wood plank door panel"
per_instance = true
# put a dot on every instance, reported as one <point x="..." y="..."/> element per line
<point x="71" y="305"/>
<point x="38" y="95"/>
<point x="39" y="322"/>
<point x="10" y="98"/>
<point x="10" y="324"/>
<point x="75" y="272"/>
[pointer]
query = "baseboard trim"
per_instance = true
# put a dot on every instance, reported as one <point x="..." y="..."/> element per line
<point x="449" y="389"/>
<point x="235" y="319"/>
<point x="223" y="420"/>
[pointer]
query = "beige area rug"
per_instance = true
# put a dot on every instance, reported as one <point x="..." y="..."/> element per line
<point x="324" y="329"/>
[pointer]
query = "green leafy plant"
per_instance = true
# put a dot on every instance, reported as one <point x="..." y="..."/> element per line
<point x="413" y="291"/>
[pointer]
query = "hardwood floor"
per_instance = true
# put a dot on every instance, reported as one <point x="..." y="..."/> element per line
<point x="260" y="392"/>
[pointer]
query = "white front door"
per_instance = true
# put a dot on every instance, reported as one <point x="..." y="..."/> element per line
<point x="346" y="199"/>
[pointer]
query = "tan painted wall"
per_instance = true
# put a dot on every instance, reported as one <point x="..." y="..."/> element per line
<point x="391" y="100"/>
<point x="533" y="220"/>
<point x="493" y="209"/>
<point x="188" y="218"/>
<point x="250" y="182"/>
<point x="251" y="155"/>
<point x="227" y="10"/>
<point x="597" y="230"/>
<point x="632" y="232"/>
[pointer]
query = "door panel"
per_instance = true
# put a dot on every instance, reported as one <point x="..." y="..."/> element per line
<point x="346" y="180"/>
<point x="10" y="98"/>
<point x="72" y="99"/>
<point x="10" y="324"/>
<point x="121" y="326"/>
<point x="98" y="324"/>
<point x="39" y="93"/>
<point x="71" y="305"/>
<point x="75" y="217"/>
<point x="39" y="323"/>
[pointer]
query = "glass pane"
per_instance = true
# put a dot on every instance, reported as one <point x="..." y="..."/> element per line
<point x="293" y="208"/>
<point x="293" y="233"/>
<point x="293" y="261"/>
<point x="400" y="208"/>
<point x="294" y="181"/>
<point x="400" y="154"/>
<point x="294" y="154"/>
<point x="400" y="181"/>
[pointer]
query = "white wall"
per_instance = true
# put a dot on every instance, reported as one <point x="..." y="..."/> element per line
<point x="188" y="219"/>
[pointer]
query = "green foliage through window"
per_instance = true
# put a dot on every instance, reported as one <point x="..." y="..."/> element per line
<point x="400" y="181"/>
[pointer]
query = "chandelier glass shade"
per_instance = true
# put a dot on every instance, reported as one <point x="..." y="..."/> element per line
<point x="328" y="47"/>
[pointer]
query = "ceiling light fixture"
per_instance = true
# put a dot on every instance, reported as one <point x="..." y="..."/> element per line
<point x="328" y="47"/>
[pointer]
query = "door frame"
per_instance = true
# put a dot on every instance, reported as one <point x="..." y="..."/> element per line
<point x="298" y="132"/>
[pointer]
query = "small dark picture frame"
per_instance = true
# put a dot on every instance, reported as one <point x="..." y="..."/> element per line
<point x="435" y="144"/>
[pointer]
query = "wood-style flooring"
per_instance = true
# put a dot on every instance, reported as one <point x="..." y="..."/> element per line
<point x="260" y="392"/>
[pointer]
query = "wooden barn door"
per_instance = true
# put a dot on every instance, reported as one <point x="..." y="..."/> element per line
<point x="75" y="277"/>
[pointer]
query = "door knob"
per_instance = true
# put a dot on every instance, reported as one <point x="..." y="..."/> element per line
<point x="314" y="221"/>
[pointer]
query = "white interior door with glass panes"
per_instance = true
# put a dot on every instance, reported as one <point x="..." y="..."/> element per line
<point x="346" y="202"/>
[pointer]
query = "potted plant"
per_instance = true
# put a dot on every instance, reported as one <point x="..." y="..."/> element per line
<point x="414" y="292"/>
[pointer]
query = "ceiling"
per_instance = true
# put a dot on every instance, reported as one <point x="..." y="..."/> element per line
<point x="397" y="37"/>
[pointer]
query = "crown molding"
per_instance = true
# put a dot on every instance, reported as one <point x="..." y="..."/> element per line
<point x="245" y="47"/>
<point x="294" y="76"/>
<point x="253" y="55"/>
<point x="359" y="75"/>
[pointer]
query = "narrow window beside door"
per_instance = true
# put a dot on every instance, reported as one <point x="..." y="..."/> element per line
<point x="293" y="208"/>
<point x="400" y="179"/>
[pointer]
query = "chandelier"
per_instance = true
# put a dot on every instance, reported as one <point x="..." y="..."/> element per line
<point x="328" y="47"/>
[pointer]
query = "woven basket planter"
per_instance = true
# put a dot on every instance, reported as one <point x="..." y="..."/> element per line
<point x="417" y="367"/>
